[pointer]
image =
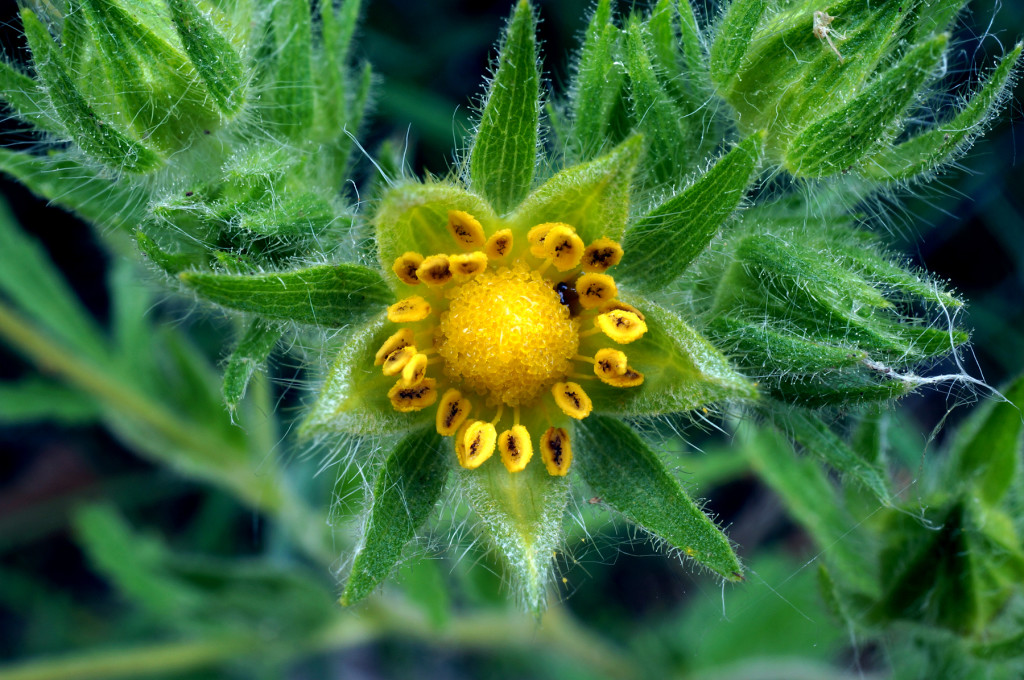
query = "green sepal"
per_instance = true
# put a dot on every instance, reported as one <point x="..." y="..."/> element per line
<point x="693" y="58"/>
<point x="661" y="245"/>
<point x="813" y="502"/>
<point x="943" y="143"/>
<point x="732" y="39"/>
<point x="504" y="152"/>
<point x="413" y="217"/>
<point x="682" y="370"/>
<point x="597" y="84"/>
<point x="987" y="448"/>
<point x="630" y="477"/>
<point x="521" y="516"/>
<point x="837" y="388"/>
<point x="26" y="98"/>
<point x="297" y="214"/>
<point x="843" y="138"/>
<point x="250" y="354"/>
<point x="213" y="56"/>
<point x="64" y="181"/>
<point x="291" y="108"/>
<point x="593" y="197"/>
<point x="937" y="16"/>
<point x="354" y="397"/>
<point x="171" y="263"/>
<point x="100" y="139"/>
<point x="329" y="296"/>
<point x="818" y="440"/>
<point x="405" y="492"/>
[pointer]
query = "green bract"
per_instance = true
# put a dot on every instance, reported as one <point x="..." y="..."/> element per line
<point x="738" y="182"/>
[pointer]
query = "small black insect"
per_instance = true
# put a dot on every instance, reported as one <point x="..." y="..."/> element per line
<point x="567" y="294"/>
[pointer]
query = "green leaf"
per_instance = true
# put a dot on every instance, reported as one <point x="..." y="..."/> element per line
<point x="329" y="296"/>
<point x="659" y="247"/>
<point x="694" y="65"/>
<point x="813" y="502"/>
<point x="521" y="515"/>
<point x="425" y="585"/>
<point x="250" y="355"/>
<point x="733" y="38"/>
<point x="213" y="56"/>
<point x="26" y="98"/>
<point x="30" y="280"/>
<point x="760" y="345"/>
<point x="943" y="143"/>
<point x="35" y="400"/>
<point x="293" y="90"/>
<point x="413" y="217"/>
<point x="504" y="151"/>
<point x="171" y="263"/>
<point x="593" y="197"/>
<point x="406" y="491"/>
<point x="598" y="82"/>
<point x="818" y="440"/>
<point x="97" y="137"/>
<point x="986" y="452"/>
<point x="682" y="370"/>
<point x="354" y="397"/>
<point x="630" y="477"/>
<point x="843" y="138"/>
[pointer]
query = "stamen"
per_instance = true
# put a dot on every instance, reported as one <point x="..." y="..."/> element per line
<point x="406" y="399"/>
<point x="515" y="414"/>
<point x="465" y="229"/>
<point x="460" y="442"/>
<point x="405" y="267"/>
<point x="402" y="338"/>
<point x="452" y="413"/>
<point x="563" y="247"/>
<point x="556" y="451"/>
<point x="408" y="310"/>
<point x="630" y="378"/>
<point x="622" y="327"/>
<point x="497" y="416"/>
<point x="595" y="289"/>
<point x="499" y="244"/>
<point x="536" y="237"/>
<point x="435" y="270"/>
<point x="468" y="264"/>
<point x="479" y="441"/>
<point x="415" y="370"/>
<point x="616" y="304"/>
<point x="571" y="398"/>
<point x="589" y="360"/>
<point x="516" y="448"/>
<point x="609" y="363"/>
<point x="601" y="254"/>
<point x="397" y="360"/>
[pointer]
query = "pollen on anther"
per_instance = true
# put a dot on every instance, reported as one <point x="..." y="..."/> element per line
<point x="499" y="244"/>
<point x="413" y="308"/>
<point x="479" y="441"/>
<point x="563" y="247"/>
<point x="415" y="370"/>
<point x="609" y="363"/>
<point x="516" y="448"/>
<point x="397" y="341"/>
<point x="595" y="289"/>
<point x="556" y="451"/>
<point x="601" y="254"/>
<point x="618" y="304"/>
<point x="397" y="360"/>
<point x="451" y="413"/>
<point x="468" y="264"/>
<point x="536" y="237"/>
<point x="571" y="398"/>
<point x="415" y="398"/>
<point x="622" y="327"/>
<point x="465" y="229"/>
<point x="405" y="267"/>
<point x="435" y="270"/>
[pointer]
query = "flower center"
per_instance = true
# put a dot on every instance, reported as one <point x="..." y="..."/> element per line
<point x="507" y="334"/>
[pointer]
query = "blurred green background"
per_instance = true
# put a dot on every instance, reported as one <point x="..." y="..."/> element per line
<point x="622" y="601"/>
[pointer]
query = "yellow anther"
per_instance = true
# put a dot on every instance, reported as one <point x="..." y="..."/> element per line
<point x="478" y="443"/>
<point x="555" y="451"/>
<point x="630" y="378"/>
<point x="397" y="341"/>
<point x="536" y="237"/>
<point x="609" y="363"/>
<point x="467" y="265"/>
<point x="435" y="270"/>
<point x="516" y="448"/>
<point x="595" y="289"/>
<point x="616" y="304"/>
<point x="405" y="267"/>
<point x="415" y="398"/>
<point x="408" y="310"/>
<point x="563" y="247"/>
<point x="465" y="229"/>
<point x="499" y="244"/>
<point x="622" y="327"/>
<point x="397" y="360"/>
<point x="415" y="370"/>
<point x="452" y="412"/>
<point x="571" y="398"/>
<point x="601" y="254"/>
<point x="460" y="442"/>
